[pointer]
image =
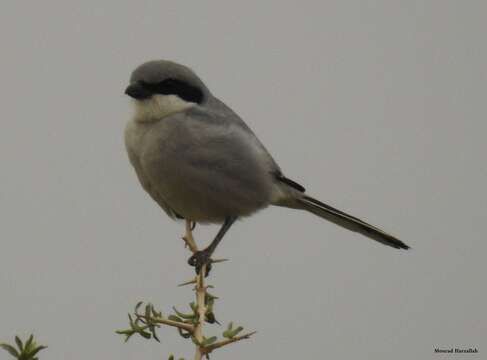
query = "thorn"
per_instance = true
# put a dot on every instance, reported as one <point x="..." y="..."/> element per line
<point x="188" y="282"/>
<point x="214" y="261"/>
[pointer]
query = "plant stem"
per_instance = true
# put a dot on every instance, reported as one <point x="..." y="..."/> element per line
<point x="200" y="290"/>
<point x="220" y="344"/>
<point x="178" y="324"/>
<point x="201" y="308"/>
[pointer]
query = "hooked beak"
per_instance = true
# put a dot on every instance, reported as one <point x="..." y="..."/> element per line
<point x="138" y="91"/>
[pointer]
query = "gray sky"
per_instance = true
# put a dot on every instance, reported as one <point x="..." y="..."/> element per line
<point x="376" y="107"/>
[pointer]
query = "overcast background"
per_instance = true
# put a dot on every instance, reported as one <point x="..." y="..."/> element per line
<point x="376" y="107"/>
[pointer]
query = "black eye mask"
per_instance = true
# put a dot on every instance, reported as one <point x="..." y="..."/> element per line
<point x="180" y="88"/>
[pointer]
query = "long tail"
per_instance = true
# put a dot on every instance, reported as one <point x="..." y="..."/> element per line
<point x="348" y="222"/>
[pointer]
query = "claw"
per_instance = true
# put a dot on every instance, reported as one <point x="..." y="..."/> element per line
<point x="199" y="259"/>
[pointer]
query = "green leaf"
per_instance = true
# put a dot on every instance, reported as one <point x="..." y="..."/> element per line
<point x="171" y="357"/>
<point x="195" y="341"/>
<point x="148" y="311"/>
<point x="183" y="315"/>
<point x="128" y="333"/>
<point x="154" y="334"/>
<point x="209" y="341"/>
<point x="155" y="313"/>
<point x="195" y="319"/>
<point x="184" y="334"/>
<point x="131" y="322"/>
<point x="10" y="349"/>
<point x="209" y="297"/>
<point x="138" y="305"/>
<point x="19" y="344"/>
<point x="175" y="318"/>
<point x="145" y="334"/>
<point x="210" y="318"/>
<point x="227" y="333"/>
<point x="231" y="332"/>
<point x="235" y="332"/>
<point x="30" y="344"/>
<point x="37" y="349"/>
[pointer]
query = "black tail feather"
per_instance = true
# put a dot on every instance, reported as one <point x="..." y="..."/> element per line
<point x="349" y="222"/>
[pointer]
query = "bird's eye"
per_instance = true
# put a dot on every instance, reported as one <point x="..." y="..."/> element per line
<point x="180" y="88"/>
<point x="149" y="86"/>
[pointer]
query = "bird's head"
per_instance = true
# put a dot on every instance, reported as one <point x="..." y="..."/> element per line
<point x="160" y="88"/>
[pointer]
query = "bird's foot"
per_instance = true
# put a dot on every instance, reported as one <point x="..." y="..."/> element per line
<point x="199" y="259"/>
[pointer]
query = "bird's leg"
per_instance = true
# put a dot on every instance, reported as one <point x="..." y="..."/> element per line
<point x="188" y="237"/>
<point x="203" y="257"/>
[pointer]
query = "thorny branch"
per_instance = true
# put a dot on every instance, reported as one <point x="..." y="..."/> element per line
<point x="222" y="343"/>
<point x="189" y="325"/>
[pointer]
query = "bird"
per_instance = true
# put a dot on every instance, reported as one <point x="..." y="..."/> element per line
<point x="199" y="161"/>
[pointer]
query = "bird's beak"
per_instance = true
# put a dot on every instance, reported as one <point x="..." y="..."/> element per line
<point x="137" y="91"/>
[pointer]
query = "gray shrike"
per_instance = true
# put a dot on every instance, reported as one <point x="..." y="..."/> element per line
<point x="200" y="162"/>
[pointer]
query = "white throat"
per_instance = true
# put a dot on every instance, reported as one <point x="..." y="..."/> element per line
<point x="159" y="106"/>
